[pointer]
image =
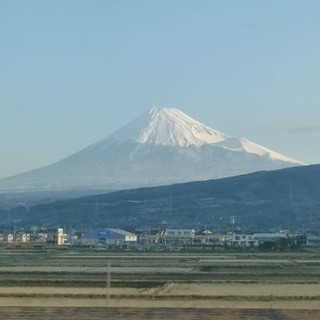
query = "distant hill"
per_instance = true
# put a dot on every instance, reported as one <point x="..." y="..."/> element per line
<point x="160" y="147"/>
<point x="285" y="198"/>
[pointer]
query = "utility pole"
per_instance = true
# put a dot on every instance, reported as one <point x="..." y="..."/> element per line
<point x="108" y="284"/>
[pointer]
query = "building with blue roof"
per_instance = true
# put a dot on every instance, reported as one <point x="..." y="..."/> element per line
<point x="115" y="237"/>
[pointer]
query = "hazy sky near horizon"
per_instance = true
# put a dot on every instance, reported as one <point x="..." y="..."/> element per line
<point x="72" y="72"/>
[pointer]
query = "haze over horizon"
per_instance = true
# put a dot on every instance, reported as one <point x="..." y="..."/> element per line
<point x="74" y="72"/>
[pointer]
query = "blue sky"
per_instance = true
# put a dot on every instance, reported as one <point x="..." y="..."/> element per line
<point x="74" y="71"/>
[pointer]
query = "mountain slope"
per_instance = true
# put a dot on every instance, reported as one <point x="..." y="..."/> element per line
<point x="160" y="147"/>
<point x="286" y="198"/>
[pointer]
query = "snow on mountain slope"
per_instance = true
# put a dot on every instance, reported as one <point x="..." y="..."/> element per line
<point x="244" y="145"/>
<point x="262" y="151"/>
<point x="162" y="146"/>
<point x="170" y="126"/>
<point x="166" y="126"/>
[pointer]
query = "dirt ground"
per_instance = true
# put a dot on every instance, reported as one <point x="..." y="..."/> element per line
<point x="58" y="313"/>
<point x="82" y="285"/>
<point x="286" y="296"/>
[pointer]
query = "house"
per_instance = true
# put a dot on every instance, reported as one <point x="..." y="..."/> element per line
<point x="22" y="237"/>
<point x="10" y="237"/>
<point x="40" y="237"/>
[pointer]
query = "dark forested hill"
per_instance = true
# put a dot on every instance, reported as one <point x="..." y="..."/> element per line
<point x="287" y="198"/>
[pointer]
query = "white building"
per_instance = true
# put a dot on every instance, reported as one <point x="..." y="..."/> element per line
<point x="179" y="236"/>
<point x="121" y="237"/>
<point x="270" y="236"/>
<point x="10" y="237"/>
<point x="244" y="240"/>
<point x="204" y="237"/>
<point x="116" y="237"/>
<point x="22" y="237"/>
<point x="56" y="236"/>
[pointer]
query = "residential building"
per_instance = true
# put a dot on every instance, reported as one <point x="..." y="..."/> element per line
<point x="10" y="237"/>
<point x="22" y="237"/>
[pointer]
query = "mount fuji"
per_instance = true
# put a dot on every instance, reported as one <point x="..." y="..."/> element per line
<point x="162" y="146"/>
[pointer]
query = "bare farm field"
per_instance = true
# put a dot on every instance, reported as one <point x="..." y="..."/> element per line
<point x="97" y="284"/>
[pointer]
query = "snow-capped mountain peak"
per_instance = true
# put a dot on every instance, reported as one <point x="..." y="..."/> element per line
<point x="162" y="146"/>
<point x="167" y="126"/>
<point x="172" y="127"/>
